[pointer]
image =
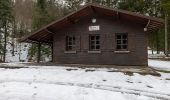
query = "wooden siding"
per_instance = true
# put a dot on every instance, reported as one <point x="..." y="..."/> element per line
<point x="137" y="43"/>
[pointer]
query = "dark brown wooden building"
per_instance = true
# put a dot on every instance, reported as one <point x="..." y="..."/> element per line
<point x="98" y="35"/>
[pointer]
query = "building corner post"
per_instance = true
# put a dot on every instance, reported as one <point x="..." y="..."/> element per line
<point x="52" y="59"/>
<point x="39" y="52"/>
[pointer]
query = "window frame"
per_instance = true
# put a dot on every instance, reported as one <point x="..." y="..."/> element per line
<point x="70" y="42"/>
<point x="95" y="40"/>
<point x="121" y="44"/>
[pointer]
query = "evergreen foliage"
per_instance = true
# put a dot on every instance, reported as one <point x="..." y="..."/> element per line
<point x="5" y="24"/>
<point x="45" y="11"/>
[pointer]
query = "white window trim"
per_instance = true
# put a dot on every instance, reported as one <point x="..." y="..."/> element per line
<point x="122" y="51"/>
<point x="70" y="52"/>
<point x="94" y="51"/>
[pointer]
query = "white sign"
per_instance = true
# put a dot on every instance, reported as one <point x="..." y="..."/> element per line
<point x="94" y="28"/>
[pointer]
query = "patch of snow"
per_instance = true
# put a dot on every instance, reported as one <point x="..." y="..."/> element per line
<point x="37" y="91"/>
<point x="58" y="83"/>
<point x="158" y="64"/>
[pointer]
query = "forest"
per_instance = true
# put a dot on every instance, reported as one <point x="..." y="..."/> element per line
<point x="19" y="18"/>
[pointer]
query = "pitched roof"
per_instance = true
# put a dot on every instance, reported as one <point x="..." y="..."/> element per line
<point x="45" y="34"/>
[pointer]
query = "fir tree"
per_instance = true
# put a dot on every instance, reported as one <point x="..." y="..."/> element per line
<point x="5" y="21"/>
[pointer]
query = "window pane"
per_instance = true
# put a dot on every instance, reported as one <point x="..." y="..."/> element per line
<point x="92" y="38"/>
<point x="97" y="42"/>
<point x="118" y="36"/>
<point x="97" y="37"/>
<point x="118" y="46"/>
<point x="70" y="43"/>
<point x="69" y="47"/>
<point x="92" y="42"/>
<point x="118" y="41"/>
<point x="124" y="46"/>
<point x="74" y="38"/>
<point x="92" y="47"/>
<point x="124" y="41"/>
<point x="124" y="36"/>
<point x="98" y="47"/>
<point x="70" y="39"/>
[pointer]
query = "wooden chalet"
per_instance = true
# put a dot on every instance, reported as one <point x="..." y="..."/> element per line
<point x="97" y="34"/>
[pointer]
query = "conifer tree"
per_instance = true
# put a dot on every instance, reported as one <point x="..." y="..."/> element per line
<point x="45" y="11"/>
<point x="5" y="21"/>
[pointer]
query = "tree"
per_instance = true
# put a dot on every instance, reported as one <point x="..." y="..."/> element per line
<point x="22" y="18"/>
<point x="73" y="5"/>
<point x="45" y="11"/>
<point x="165" y="5"/>
<point x="5" y="21"/>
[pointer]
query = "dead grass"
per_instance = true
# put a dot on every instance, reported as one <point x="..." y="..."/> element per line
<point x="128" y="73"/>
<point x="163" y="71"/>
<point x="167" y="79"/>
<point x="71" y="69"/>
<point x="89" y="70"/>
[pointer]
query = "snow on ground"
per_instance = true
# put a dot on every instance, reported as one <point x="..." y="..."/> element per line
<point x="160" y="65"/>
<point x="64" y="83"/>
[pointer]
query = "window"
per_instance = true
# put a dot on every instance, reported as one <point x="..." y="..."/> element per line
<point x="70" y="43"/>
<point x="94" y="42"/>
<point x="122" y="41"/>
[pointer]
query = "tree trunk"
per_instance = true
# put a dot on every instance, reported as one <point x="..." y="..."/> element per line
<point x="19" y="51"/>
<point x="157" y="43"/>
<point x="5" y="42"/>
<point x="13" y="37"/>
<point x="52" y="52"/>
<point x="152" y="48"/>
<point x="13" y="47"/>
<point x="166" y="36"/>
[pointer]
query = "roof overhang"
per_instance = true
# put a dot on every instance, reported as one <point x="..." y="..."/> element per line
<point x="45" y="34"/>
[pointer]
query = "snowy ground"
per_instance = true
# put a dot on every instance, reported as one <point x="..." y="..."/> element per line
<point x="64" y="83"/>
<point x="159" y="64"/>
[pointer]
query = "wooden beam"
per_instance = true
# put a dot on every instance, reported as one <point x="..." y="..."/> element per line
<point x="49" y="31"/>
<point x="148" y="24"/>
<point x="52" y="57"/>
<point x="46" y="38"/>
<point x="158" y="23"/>
<point x="39" y="53"/>
<point x="154" y="25"/>
<point x="146" y="27"/>
<point x="45" y="34"/>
